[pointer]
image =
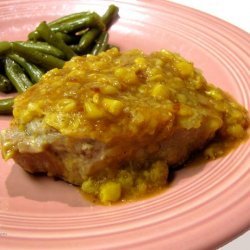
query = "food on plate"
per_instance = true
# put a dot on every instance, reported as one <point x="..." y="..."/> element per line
<point x="22" y="64"/>
<point x="115" y="123"/>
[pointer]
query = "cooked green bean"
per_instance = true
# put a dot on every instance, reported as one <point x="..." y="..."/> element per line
<point x="6" y="106"/>
<point x="43" y="60"/>
<point x="16" y="75"/>
<point x="44" y="48"/>
<point x="5" y="84"/>
<point x="110" y="15"/>
<point x="76" y="48"/>
<point x="88" y="38"/>
<point x="91" y="35"/>
<point x="4" y="47"/>
<point x="32" y="70"/>
<point x="91" y="20"/>
<point x="68" y="17"/>
<point x="101" y="43"/>
<point x="34" y="36"/>
<point x="51" y="37"/>
<point x="81" y="32"/>
<point x="68" y="39"/>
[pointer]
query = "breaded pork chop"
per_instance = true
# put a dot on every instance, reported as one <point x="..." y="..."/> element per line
<point x="115" y="109"/>
<point x="44" y="150"/>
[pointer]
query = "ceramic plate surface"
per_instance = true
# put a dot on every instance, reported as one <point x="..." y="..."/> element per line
<point x="205" y="207"/>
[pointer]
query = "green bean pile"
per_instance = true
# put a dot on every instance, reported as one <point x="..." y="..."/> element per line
<point x="23" y="63"/>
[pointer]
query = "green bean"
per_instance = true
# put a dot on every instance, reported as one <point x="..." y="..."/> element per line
<point x="16" y="75"/>
<point x="4" y="47"/>
<point x="81" y="32"/>
<point x="91" y="20"/>
<point x="78" y="50"/>
<point x="6" y="106"/>
<point x="32" y="70"/>
<point x="34" y="35"/>
<point x="110" y="15"/>
<point x="5" y="84"/>
<point x="75" y="48"/>
<point x="38" y="58"/>
<point x="43" y="47"/>
<point x="51" y="37"/>
<point x="68" y="17"/>
<point x="101" y="43"/>
<point x="68" y="39"/>
<point x="90" y="36"/>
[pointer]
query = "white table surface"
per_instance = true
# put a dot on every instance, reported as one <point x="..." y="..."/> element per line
<point x="237" y="13"/>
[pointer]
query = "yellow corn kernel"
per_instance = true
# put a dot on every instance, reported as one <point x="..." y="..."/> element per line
<point x="51" y="119"/>
<point x="155" y="78"/>
<point x="126" y="75"/>
<point x="131" y="78"/>
<point x="156" y="74"/>
<point x="215" y="123"/>
<point x="166" y="55"/>
<point x="93" y="111"/>
<point x="97" y="65"/>
<point x="114" y="107"/>
<point x="35" y="107"/>
<point x="215" y="94"/>
<point x="198" y="82"/>
<point x="158" y="172"/>
<point x="213" y="151"/>
<point x="96" y="98"/>
<point x="80" y="75"/>
<point x="186" y="69"/>
<point x="113" y="52"/>
<point x="109" y="90"/>
<point x="60" y="121"/>
<point x="66" y="105"/>
<point x="160" y="91"/>
<point x="110" y="192"/>
<point x="89" y="187"/>
<point x="70" y="126"/>
<point x="185" y="110"/>
<point x="236" y="131"/>
<point x="236" y="115"/>
<point x="140" y="62"/>
<point x="8" y="148"/>
<point x="221" y="106"/>
<point x="33" y="110"/>
<point x="51" y="73"/>
<point x="159" y="62"/>
<point x="120" y="72"/>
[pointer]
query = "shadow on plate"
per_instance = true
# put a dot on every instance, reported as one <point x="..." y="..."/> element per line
<point x="42" y="188"/>
<point x="186" y="172"/>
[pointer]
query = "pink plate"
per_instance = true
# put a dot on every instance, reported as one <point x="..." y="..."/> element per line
<point x="204" y="208"/>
